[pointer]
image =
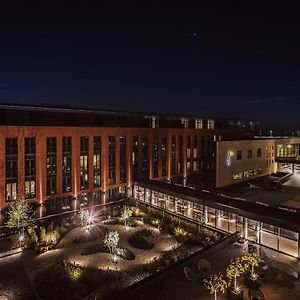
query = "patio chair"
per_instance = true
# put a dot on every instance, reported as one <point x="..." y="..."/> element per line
<point x="189" y="274"/>
<point x="204" y="267"/>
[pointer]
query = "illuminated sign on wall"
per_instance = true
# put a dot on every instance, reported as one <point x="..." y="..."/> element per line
<point x="228" y="158"/>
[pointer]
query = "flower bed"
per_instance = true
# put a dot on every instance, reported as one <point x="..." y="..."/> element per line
<point x="140" y="240"/>
<point x="64" y="280"/>
<point x="120" y="251"/>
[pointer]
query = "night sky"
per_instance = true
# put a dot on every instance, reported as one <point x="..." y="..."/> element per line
<point x="229" y="59"/>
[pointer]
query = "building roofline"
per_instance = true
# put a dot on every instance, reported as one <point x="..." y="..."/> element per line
<point x="71" y="109"/>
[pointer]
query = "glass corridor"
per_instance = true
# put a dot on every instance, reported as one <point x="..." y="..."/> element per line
<point x="277" y="238"/>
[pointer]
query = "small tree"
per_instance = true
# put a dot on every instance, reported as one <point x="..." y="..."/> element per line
<point x="252" y="260"/>
<point x="20" y="216"/>
<point x="235" y="269"/>
<point x="84" y="217"/>
<point x="215" y="284"/>
<point x="126" y="214"/>
<point x="111" y="241"/>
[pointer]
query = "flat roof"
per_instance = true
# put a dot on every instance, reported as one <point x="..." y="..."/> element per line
<point x="27" y="114"/>
<point x="267" y="214"/>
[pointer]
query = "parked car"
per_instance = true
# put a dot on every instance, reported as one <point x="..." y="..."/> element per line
<point x="274" y="185"/>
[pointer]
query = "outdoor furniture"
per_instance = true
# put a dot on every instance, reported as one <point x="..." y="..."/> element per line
<point x="255" y="294"/>
<point x="189" y="274"/>
<point x="204" y="267"/>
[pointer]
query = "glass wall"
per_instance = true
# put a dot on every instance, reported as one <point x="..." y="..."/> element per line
<point x="51" y="165"/>
<point x="97" y="161"/>
<point x="123" y="164"/>
<point x="173" y="155"/>
<point x="164" y="155"/>
<point x="155" y="156"/>
<point x="268" y="235"/>
<point x="84" y="162"/>
<point x="11" y="168"/>
<point x="145" y="164"/>
<point x="30" y="170"/>
<point x="135" y="157"/>
<point x="111" y="160"/>
<point x="66" y="164"/>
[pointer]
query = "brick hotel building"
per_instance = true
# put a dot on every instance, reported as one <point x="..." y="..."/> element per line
<point x="60" y="157"/>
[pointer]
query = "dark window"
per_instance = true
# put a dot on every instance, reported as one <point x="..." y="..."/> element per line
<point x="173" y="155"/>
<point x="195" y="153"/>
<point x="123" y="159"/>
<point x="135" y="157"/>
<point x="84" y="162"/>
<point x="66" y="164"/>
<point x="30" y="168"/>
<point x="51" y="165"/>
<point x="11" y="168"/>
<point x="249" y="153"/>
<point x="258" y="152"/>
<point x="164" y="155"/>
<point x="239" y="154"/>
<point x="112" y="160"/>
<point x="188" y="154"/>
<point x="180" y="163"/>
<point x="97" y="161"/>
<point x="155" y="156"/>
<point x="145" y="172"/>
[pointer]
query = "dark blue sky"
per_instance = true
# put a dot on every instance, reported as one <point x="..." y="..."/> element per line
<point x="230" y="59"/>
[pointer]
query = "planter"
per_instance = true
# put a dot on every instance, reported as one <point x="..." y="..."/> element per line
<point x="233" y="295"/>
<point x="252" y="283"/>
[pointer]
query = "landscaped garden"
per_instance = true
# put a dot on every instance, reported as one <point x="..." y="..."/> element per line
<point x="99" y="256"/>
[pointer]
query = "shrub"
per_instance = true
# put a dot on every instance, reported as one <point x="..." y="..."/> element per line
<point x="64" y="280"/>
<point x="139" y="241"/>
<point x="207" y="233"/>
<point x="120" y="220"/>
<point x="145" y="232"/>
<point x="95" y="232"/>
<point x="94" y="249"/>
<point x="124" y="253"/>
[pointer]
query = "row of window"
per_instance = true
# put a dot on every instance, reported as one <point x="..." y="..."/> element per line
<point x="11" y="153"/>
<point x="239" y="153"/>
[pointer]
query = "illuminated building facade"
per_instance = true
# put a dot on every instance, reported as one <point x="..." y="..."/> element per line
<point x="60" y="158"/>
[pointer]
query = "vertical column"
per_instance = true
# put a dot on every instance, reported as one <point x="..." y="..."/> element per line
<point x="159" y="156"/>
<point x="278" y="237"/>
<point x="21" y="165"/>
<point x="104" y="161"/>
<point x="117" y="159"/>
<point x="140" y="155"/>
<point x="298" y="256"/>
<point x="2" y="171"/>
<point x="205" y="211"/>
<point x="41" y="180"/>
<point x="184" y="146"/>
<point x="59" y="164"/>
<point x="259" y="232"/>
<point x="150" y="147"/>
<point x="245" y="227"/>
<point x="75" y="165"/>
<point x="169" y="155"/>
<point x="177" y="152"/>
<point x="91" y="164"/>
<point x="129" y="160"/>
